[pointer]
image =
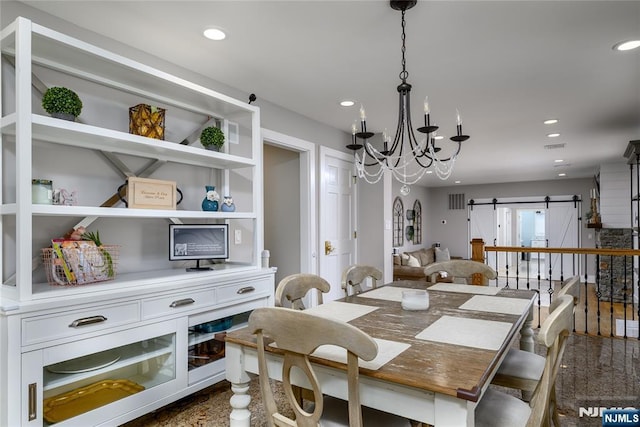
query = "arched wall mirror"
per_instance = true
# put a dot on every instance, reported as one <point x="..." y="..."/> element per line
<point x="398" y="222"/>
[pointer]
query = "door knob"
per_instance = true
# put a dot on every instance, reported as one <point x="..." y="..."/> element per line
<point x="328" y="248"/>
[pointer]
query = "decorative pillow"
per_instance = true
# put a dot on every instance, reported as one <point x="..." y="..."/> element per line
<point x="442" y="254"/>
<point x="413" y="262"/>
<point x="425" y="256"/>
<point x="404" y="258"/>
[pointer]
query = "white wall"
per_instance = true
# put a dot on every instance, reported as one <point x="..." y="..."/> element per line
<point x="371" y="224"/>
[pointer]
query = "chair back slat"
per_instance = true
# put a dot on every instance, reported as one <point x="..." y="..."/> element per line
<point x="296" y="286"/>
<point x="553" y="335"/>
<point x="354" y="275"/>
<point x="298" y="334"/>
<point x="571" y="287"/>
<point x="460" y="268"/>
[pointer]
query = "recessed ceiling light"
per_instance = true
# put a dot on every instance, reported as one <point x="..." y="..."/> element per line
<point x="628" y="45"/>
<point x="553" y="135"/>
<point x="558" y="160"/>
<point x="215" y="34"/>
<point x="562" y="174"/>
<point x="438" y="137"/>
<point x="347" y="103"/>
<point x="429" y="172"/>
<point x="457" y="182"/>
<point x="550" y="122"/>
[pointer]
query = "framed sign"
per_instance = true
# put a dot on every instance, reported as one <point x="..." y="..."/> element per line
<point x="145" y="193"/>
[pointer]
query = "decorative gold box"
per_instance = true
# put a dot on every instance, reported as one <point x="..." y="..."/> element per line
<point x="147" y="121"/>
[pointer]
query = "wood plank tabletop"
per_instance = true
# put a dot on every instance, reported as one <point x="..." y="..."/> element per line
<point x="450" y="369"/>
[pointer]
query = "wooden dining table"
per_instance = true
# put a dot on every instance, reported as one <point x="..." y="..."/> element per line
<point x="433" y="365"/>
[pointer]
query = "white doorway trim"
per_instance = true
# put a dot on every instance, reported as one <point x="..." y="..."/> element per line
<point x="308" y="218"/>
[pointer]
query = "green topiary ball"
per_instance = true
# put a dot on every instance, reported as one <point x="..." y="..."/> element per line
<point x="61" y="100"/>
<point x="212" y="136"/>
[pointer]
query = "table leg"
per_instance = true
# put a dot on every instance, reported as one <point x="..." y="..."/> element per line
<point x="526" y="334"/>
<point x="527" y="344"/>
<point x="453" y="412"/>
<point x="240" y="415"/>
<point x="235" y="371"/>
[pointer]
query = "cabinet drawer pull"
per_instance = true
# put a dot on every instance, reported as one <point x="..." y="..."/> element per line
<point x="246" y="289"/>
<point x="33" y="398"/>
<point x="87" y="321"/>
<point x="181" y="302"/>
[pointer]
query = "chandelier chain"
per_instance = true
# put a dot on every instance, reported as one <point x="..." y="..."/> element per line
<point x="404" y="74"/>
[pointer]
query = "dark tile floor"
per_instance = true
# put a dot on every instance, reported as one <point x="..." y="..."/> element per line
<point x="596" y="372"/>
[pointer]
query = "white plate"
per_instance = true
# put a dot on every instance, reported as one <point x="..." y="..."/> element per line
<point x="85" y="363"/>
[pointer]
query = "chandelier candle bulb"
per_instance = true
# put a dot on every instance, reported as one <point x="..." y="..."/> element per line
<point x="426" y="105"/>
<point x="458" y="119"/>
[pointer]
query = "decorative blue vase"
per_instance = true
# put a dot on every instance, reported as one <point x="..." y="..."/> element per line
<point x="210" y="202"/>
<point x="227" y="204"/>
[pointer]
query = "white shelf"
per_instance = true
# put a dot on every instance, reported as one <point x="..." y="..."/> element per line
<point x="69" y="55"/>
<point x="80" y="135"/>
<point x="80" y="211"/>
<point x="130" y="355"/>
<point x="200" y="337"/>
<point x="140" y="280"/>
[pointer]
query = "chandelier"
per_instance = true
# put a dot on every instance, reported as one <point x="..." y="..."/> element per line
<point x="405" y="157"/>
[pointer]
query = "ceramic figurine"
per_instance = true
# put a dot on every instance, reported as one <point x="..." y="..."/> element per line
<point x="227" y="204"/>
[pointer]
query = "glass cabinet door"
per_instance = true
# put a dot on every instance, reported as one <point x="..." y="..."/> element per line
<point x="206" y="342"/>
<point x="78" y="385"/>
<point x="205" y="355"/>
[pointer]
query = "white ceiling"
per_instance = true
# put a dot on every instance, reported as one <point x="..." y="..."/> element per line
<point x="506" y="65"/>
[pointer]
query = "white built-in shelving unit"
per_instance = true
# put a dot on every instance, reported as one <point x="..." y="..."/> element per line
<point x="147" y="314"/>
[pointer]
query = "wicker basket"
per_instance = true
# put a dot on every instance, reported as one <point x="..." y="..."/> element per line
<point x="146" y="121"/>
<point x="79" y="266"/>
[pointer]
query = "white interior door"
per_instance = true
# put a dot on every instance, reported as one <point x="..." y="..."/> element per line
<point x="558" y="229"/>
<point x="483" y="225"/>
<point x="337" y="218"/>
<point x="562" y="232"/>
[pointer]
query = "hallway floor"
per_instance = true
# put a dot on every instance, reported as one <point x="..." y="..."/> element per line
<point x="598" y="372"/>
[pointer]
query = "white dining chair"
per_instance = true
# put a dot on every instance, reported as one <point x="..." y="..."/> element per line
<point x="354" y="275"/>
<point x="461" y="269"/>
<point x="297" y="334"/>
<point x="521" y="369"/>
<point x="499" y="409"/>
<point x="293" y="288"/>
